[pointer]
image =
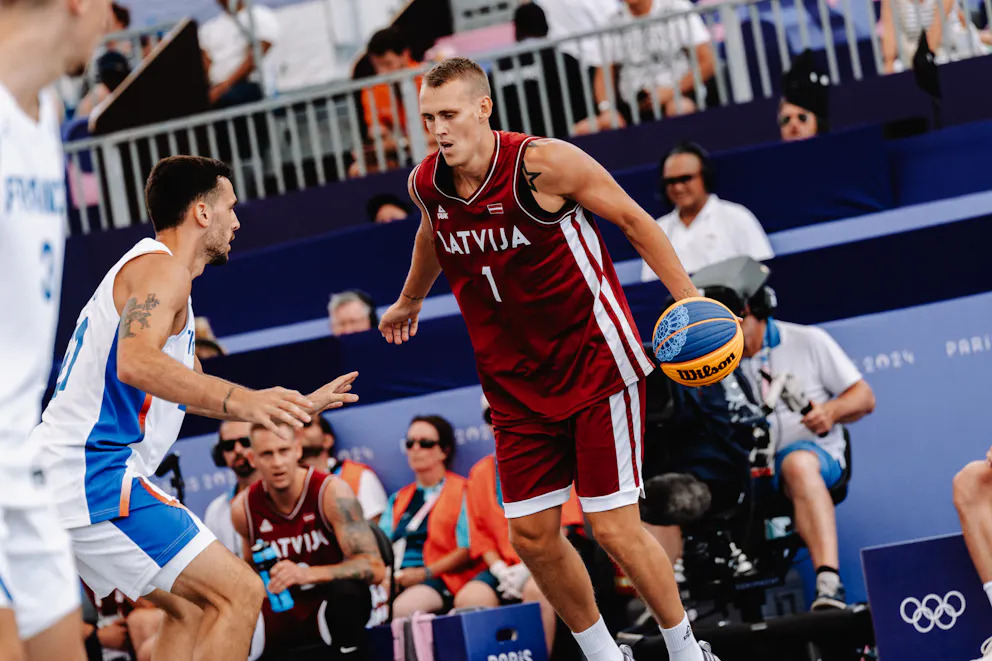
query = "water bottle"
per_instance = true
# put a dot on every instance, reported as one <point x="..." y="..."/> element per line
<point x="264" y="557"/>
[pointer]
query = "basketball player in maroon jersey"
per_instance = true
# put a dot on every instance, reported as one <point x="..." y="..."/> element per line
<point x="328" y="554"/>
<point x="507" y="217"/>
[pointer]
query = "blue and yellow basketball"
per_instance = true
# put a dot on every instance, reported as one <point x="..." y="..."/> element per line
<point x="698" y="341"/>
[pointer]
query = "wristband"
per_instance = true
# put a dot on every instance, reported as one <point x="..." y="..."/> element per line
<point x="603" y="106"/>
<point x="428" y="574"/>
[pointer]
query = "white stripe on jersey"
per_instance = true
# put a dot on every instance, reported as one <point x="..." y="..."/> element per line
<point x="32" y="245"/>
<point x="97" y="432"/>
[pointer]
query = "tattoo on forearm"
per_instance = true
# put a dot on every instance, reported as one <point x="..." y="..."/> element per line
<point x="136" y="313"/>
<point x="687" y="292"/>
<point x="227" y="398"/>
<point x="413" y="298"/>
<point x="528" y="175"/>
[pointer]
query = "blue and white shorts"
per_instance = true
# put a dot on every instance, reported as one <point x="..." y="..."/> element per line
<point x="145" y="550"/>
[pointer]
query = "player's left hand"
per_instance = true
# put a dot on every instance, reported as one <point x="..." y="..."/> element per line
<point x="335" y="394"/>
<point x="821" y="419"/>
<point x="285" y="574"/>
<point x="411" y="576"/>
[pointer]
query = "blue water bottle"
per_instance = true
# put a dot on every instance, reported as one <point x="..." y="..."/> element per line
<point x="264" y="557"/>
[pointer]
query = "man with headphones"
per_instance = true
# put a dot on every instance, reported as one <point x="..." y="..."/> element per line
<point x="809" y="444"/>
<point x="702" y="228"/>
<point x="232" y="450"/>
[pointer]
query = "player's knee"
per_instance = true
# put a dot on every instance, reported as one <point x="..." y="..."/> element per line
<point x="531" y="541"/>
<point x="972" y="485"/>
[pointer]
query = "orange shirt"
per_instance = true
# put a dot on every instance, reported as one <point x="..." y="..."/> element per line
<point x="383" y="106"/>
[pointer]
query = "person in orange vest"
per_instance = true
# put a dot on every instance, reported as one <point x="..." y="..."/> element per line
<point x="506" y="580"/>
<point x="427" y="522"/>
<point x="319" y="441"/>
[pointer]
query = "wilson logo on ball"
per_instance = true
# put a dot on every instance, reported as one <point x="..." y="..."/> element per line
<point x="698" y="341"/>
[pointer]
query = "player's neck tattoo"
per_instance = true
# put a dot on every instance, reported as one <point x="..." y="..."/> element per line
<point x="136" y="313"/>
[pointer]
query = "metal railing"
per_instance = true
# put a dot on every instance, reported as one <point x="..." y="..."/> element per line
<point x="310" y="137"/>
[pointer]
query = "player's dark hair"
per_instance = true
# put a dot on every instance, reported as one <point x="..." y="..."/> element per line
<point x="454" y="68"/>
<point x="388" y="40"/>
<point x="445" y="434"/>
<point x="177" y="182"/>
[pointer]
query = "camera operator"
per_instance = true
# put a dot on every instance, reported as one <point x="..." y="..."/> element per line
<point x="821" y="388"/>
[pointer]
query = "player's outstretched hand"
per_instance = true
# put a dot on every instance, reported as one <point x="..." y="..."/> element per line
<point x="335" y="394"/>
<point x="273" y="408"/>
<point x="399" y="323"/>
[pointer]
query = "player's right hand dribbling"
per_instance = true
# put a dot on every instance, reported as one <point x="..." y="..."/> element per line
<point x="399" y="322"/>
<point x="273" y="408"/>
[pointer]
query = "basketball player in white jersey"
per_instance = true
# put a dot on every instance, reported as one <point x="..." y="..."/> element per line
<point x="40" y="40"/>
<point x="128" y="377"/>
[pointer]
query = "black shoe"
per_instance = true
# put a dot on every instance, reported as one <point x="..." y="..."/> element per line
<point x="827" y="599"/>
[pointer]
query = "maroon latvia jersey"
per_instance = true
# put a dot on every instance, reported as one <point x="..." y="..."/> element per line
<point x="302" y="536"/>
<point x="549" y="322"/>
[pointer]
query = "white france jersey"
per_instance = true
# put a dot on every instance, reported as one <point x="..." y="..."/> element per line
<point x="98" y="433"/>
<point x="32" y="244"/>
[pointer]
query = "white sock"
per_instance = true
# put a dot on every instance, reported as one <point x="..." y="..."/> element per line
<point x="681" y="642"/>
<point x="988" y="590"/>
<point x="597" y="644"/>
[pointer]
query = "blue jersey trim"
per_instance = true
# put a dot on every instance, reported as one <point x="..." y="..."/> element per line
<point x="160" y="530"/>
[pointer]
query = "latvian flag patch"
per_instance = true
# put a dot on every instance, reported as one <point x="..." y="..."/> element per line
<point x="495" y="208"/>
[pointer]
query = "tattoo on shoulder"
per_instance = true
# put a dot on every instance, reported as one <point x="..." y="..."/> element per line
<point x="351" y="510"/>
<point x="528" y="175"/>
<point x="135" y="315"/>
<point x="356" y="533"/>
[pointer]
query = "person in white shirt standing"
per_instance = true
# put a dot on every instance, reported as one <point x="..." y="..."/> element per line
<point x="703" y="228"/>
<point x="40" y="41"/>
<point x="233" y="450"/>
<point x="228" y="53"/>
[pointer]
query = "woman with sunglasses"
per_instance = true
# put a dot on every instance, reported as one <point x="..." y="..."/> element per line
<point x="428" y="523"/>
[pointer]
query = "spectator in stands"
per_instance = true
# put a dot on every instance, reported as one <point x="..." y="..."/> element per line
<point x="809" y="448"/>
<point x="319" y="442"/>
<point x="805" y="106"/>
<point x="351" y="311"/>
<point x="568" y="17"/>
<point x="207" y="345"/>
<point x="389" y="52"/>
<point x="328" y="554"/>
<point x="232" y="450"/>
<point x="385" y="208"/>
<point x="111" y="70"/>
<point x="228" y="55"/>
<point x="541" y="80"/>
<point x="650" y="63"/>
<point x="427" y="522"/>
<point x="703" y="228"/>
<point x="506" y="580"/>
<point x="902" y="21"/>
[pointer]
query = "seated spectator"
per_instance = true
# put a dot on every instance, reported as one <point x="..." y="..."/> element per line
<point x="805" y="106"/>
<point x="232" y="451"/>
<point x="328" y="555"/>
<point x="427" y="522"/>
<point x="351" y="311"/>
<point x="318" y="441"/>
<point x="389" y="52"/>
<point x="902" y="21"/>
<point x="228" y="56"/>
<point x="506" y="580"/>
<point x="809" y="449"/>
<point x="704" y="229"/>
<point x="207" y="345"/>
<point x="111" y="70"/>
<point x="654" y="61"/>
<point x="535" y="73"/>
<point x="385" y="208"/>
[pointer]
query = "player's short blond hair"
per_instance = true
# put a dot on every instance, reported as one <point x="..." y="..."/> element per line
<point x="455" y="68"/>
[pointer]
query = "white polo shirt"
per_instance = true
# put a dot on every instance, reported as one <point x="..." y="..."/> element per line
<point x="823" y="371"/>
<point x="721" y="230"/>
<point x="223" y="38"/>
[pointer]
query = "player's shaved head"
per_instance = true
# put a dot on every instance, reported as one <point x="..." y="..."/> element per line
<point x="459" y="68"/>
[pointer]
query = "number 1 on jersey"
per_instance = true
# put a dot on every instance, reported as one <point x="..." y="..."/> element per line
<point x="488" y="272"/>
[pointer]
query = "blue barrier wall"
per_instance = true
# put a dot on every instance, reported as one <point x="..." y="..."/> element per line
<point x="926" y="364"/>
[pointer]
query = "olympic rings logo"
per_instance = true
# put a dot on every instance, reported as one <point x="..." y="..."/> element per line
<point x="933" y="611"/>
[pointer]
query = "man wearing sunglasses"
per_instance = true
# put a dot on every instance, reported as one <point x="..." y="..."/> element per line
<point x="233" y="450"/>
<point x="703" y="228"/>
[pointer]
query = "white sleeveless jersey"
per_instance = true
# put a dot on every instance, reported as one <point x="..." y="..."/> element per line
<point x="98" y="433"/>
<point x="32" y="244"/>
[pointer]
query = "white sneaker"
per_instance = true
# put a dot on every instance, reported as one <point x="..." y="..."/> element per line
<point x="628" y="654"/>
<point x="708" y="654"/>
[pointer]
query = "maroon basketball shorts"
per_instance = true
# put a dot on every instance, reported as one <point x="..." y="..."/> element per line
<point x="598" y="448"/>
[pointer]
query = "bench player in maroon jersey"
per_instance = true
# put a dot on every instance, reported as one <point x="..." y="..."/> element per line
<point x="328" y="553"/>
<point x="508" y="219"/>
